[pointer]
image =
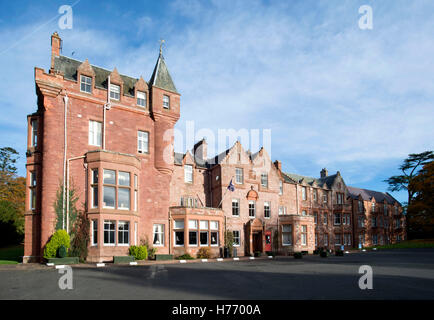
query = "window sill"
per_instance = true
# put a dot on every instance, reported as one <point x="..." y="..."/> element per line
<point x="109" y="245"/>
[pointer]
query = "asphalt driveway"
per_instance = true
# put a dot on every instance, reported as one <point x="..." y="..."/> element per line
<point x="397" y="274"/>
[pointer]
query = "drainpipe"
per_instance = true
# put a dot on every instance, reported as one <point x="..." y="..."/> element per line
<point x="106" y="106"/>
<point x="67" y="190"/>
<point x="170" y="232"/>
<point x="65" y="99"/>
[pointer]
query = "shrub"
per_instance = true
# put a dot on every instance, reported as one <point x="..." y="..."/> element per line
<point x="257" y="253"/>
<point x="323" y="254"/>
<point x="61" y="252"/>
<point x="80" y="235"/>
<point x="185" y="256"/>
<point x="204" y="253"/>
<point x="59" y="238"/>
<point x="298" y="255"/>
<point x="139" y="252"/>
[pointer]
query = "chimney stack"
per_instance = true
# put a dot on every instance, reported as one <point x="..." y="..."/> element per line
<point x="324" y="173"/>
<point x="200" y="150"/>
<point x="278" y="165"/>
<point x="56" y="46"/>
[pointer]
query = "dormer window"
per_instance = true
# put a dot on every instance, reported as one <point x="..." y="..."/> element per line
<point x="166" y="102"/>
<point x="115" y="92"/>
<point x="85" y="84"/>
<point x="141" y="99"/>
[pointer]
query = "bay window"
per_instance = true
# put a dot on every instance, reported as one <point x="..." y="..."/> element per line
<point x="109" y="232"/>
<point x="304" y="235"/>
<point x="192" y="232"/>
<point x="179" y="232"/>
<point x="287" y="235"/>
<point x="123" y="233"/>
<point x="94" y="187"/>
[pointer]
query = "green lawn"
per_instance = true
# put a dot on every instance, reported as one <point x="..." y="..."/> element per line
<point x="12" y="254"/>
<point x="409" y="244"/>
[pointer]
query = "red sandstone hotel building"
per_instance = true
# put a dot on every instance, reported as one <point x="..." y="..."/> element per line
<point x="105" y="135"/>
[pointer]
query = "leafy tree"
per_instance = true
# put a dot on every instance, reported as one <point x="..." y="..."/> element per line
<point x="12" y="198"/>
<point x="411" y="168"/>
<point x="421" y="209"/>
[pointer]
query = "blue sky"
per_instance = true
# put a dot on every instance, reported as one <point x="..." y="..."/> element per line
<point x="333" y="95"/>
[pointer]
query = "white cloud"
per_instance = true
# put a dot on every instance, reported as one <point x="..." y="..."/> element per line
<point x="331" y="93"/>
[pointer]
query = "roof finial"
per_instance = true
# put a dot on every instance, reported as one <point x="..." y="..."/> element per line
<point x="161" y="46"/>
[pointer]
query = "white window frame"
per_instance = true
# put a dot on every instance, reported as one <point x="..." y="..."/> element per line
<point x="236" y="243"/>
<point x="115" y="91"/>
<point x="166" y="101"/>
<point x="284" y="244"/>
<point x="159" y="233"/>
<point x="237" y="207"/>
<point x="142" y="141"/>
<point x="84" y="82"/>
<point x="252" y="202"/>
<point x="95" y="133"/>
<point x="34" y="133"/>
<point x="239" y="175"/>
<point x="188" y="173"/>
<point x="141" y="97"/>
<point x="124" y="223"/>
<point x="267" y="208"/>
<point x="109" y="222"/>
<point x="94" y="230"/>
<point x="264" y="180"/>
<point x="280" y="187"/>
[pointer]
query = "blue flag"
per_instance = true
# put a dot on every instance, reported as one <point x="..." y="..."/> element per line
<point x="231" y="187"/>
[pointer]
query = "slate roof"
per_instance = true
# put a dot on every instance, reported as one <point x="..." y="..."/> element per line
<point x="199" y="162"/>
<point x="321" y="182"/>
<point x="367" y="195"/>
<point x="69" y="66"/>
<point x="160" y="77"/>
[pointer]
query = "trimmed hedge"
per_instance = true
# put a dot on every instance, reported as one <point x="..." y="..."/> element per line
<point x="298" y="255"/>
<point x="58" y="239"/>
<point x="139" y="252"/>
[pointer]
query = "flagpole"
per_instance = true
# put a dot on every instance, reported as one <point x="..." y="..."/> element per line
<point x="224" y="194"/>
